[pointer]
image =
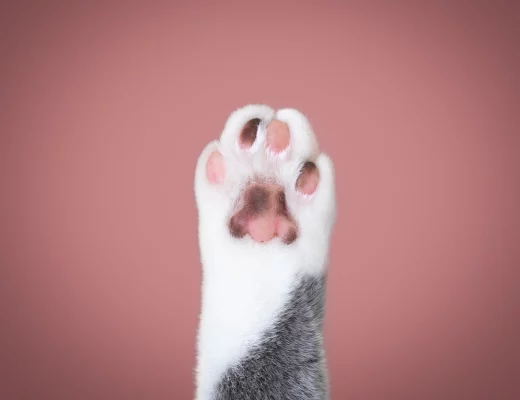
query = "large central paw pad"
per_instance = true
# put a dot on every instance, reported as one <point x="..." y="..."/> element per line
<point x="266" y="164"/>
<point x="264" y="215"/>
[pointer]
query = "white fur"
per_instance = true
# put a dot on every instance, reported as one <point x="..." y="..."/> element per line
<point x="245" y="283"/>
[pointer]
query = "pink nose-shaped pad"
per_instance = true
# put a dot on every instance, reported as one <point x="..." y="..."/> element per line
<point x="263" y="215"/>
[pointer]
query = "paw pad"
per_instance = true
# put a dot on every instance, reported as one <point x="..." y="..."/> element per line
<point x="248" y="133"/>
<point x="215" y="168"/>
<point x="278" y="136"/>
<point x="308" y="179"/>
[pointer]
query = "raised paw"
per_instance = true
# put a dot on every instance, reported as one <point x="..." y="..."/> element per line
<point x="265" y="197"/>
<point x="265" y="178"/>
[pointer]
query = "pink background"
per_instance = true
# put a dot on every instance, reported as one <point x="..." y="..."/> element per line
<point x="104" y="110"/>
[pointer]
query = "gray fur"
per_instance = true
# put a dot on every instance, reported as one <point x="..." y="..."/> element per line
<point x="289" y="363"/>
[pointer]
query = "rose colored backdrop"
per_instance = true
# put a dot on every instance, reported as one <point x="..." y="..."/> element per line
<point x="104" y="110"/>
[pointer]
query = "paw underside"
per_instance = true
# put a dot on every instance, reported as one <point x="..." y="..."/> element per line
<point x="265" y="175"/>
<point x="266" y="204"/>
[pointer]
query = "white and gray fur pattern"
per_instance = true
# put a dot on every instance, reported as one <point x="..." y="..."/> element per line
<point x="260" y="332"/>
<point x="289" y="362"/>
